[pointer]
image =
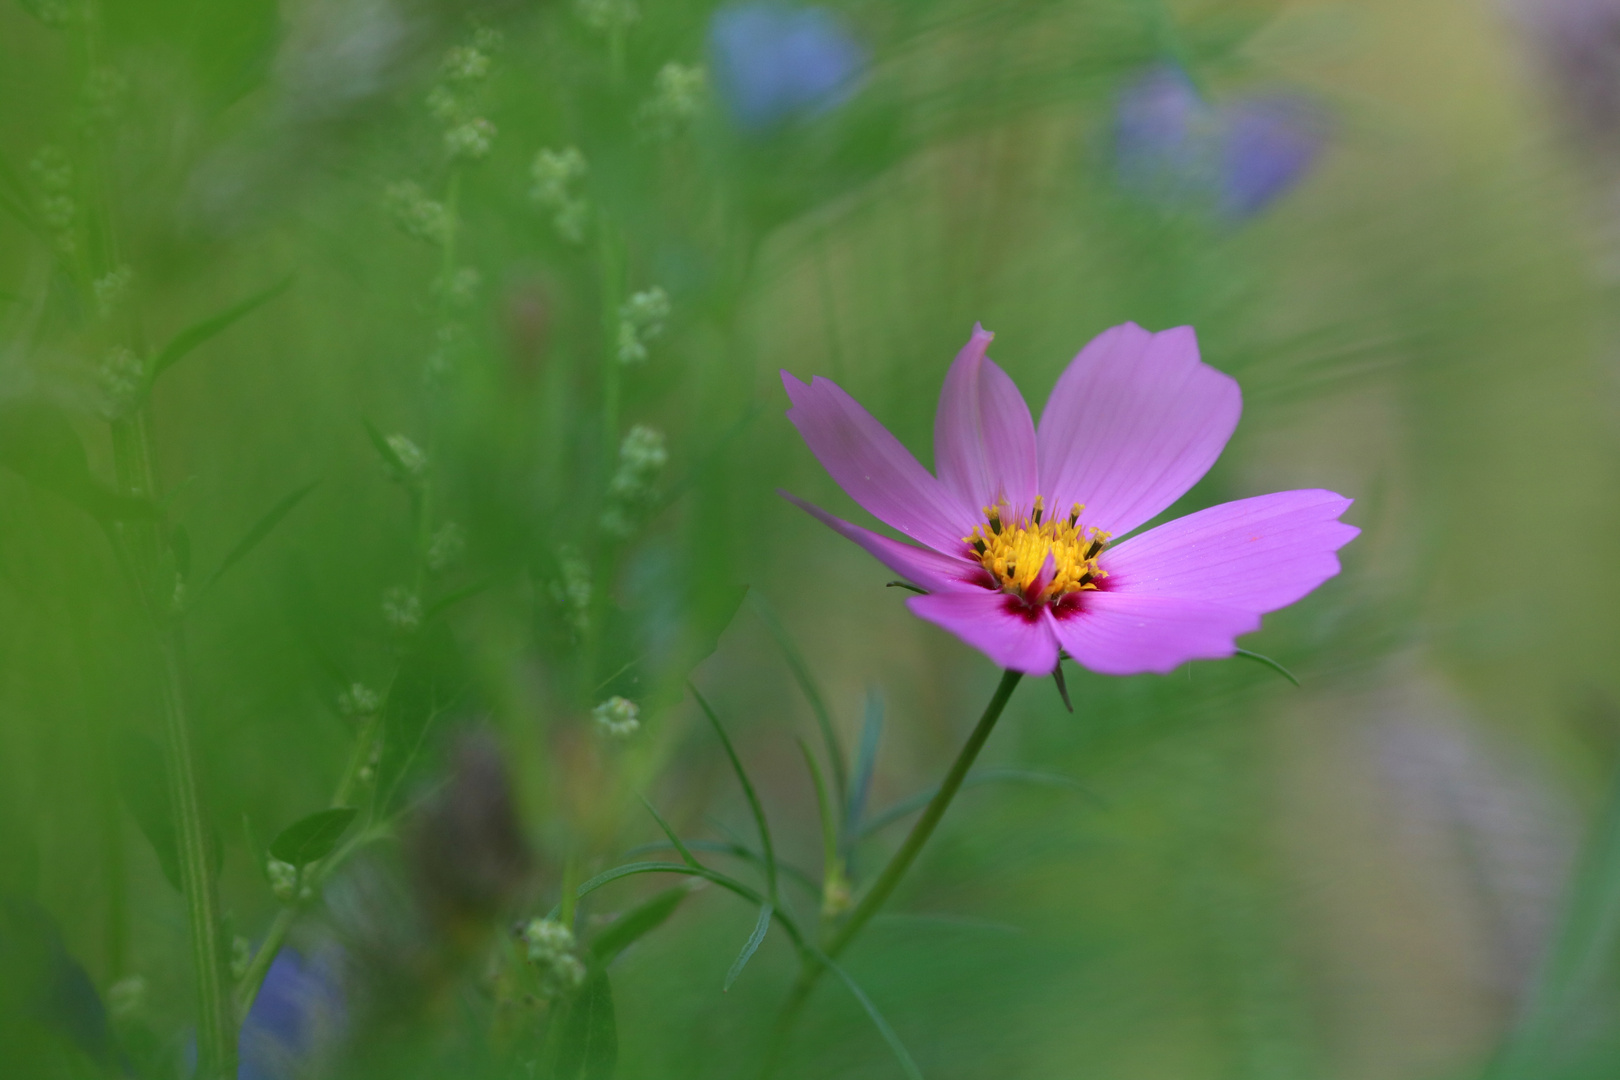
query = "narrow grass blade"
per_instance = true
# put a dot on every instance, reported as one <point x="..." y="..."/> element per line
<point x="748" y="790"/>
<point x="686" y="855"/>
<point x="197" y="333"/>
<point x="807" y="684"/>
<point x="630" y="869"/>
<point x="908" y="1065"/>
<point x="255" y="536"/>
<point x="906" y="807"/>
<point x="450" y="599"/>
<point x="1268" y="662"/>
<point x="380" y="442"/>
<point x="750" y="947"/>
<point x="832" y="865"/>
<point x="860" y="784"/>
<point x="636" y="924"/>
<point x="741" y="851"/>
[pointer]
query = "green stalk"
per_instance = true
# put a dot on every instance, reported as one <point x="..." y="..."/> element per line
<point x="896" y="868"/>
<point x="216" y="1026"/>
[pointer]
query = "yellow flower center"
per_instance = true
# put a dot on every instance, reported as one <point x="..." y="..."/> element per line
<point x="1014" y="551"/>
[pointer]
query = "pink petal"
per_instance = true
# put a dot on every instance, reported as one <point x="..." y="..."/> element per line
<point x="920" y="566"/>
<point x="1134" y="421"/>
<point x="996" y="624"/>
<point x="984" y="440"/>
<point x="872" y="466"/>
<point x="1256" y="554"/>
<point x="1128" y="634"/>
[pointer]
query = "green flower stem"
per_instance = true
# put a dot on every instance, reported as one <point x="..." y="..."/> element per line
<point x="216" y="1022"/>
<point x="896" y="869"/>
<point x="142" y="552"/>
<point x="253" y="978"/>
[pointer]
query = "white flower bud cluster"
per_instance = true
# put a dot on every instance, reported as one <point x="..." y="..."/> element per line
<point x="643" y="454"/>
<point x="359" y="700"/>
<point x="555" y="174"/>
<point x="54" y="173"/>
<point x="403" y="610"/>
<point x="241" y="956"/>
<point x="417" y="215"/>
<point x="283" y="879"/>
<point x="607" y="15"/>
<point x="120" y="378"/>
<point x="411" y="457"/>
<point x="102" y="98"/>
<point x="446" y="548"/>
<point x="551" y="949"/>
<point x="679" y="93"/>
<point x="641" y="319"/>
<point x="459" y="287"/>
<point x="617" y="717"/>
<point x="110" y="290"/>
<point x="455" y="100"/>
<point x="572" y="590"/>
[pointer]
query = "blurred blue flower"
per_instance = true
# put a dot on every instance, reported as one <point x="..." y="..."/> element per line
<point x="1173" y="147"/>
<point x="298" y="1014"/>
<point x="773" y="62"/>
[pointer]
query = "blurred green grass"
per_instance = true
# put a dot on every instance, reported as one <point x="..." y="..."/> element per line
<point x="1423" y="325"/>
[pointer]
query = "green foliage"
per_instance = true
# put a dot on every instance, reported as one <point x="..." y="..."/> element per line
<point x="312" y="838"/>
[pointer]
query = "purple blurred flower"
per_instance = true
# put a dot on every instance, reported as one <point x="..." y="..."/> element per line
<point x="773" y="62"/>
<point x="297" y="1015"/>
<point x="1172" y="146"/>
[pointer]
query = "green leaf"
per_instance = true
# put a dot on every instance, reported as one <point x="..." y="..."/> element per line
<point x="39" y="443"/>
<point x="748" y="790"/>
<point x="807" y="684"/>
<point x="1268" y="662"/>
<point x="635" y="924"/>
<point x="832" y="866"/>
<point x="900" y="1052"/>
<point x="142" y="778"/>
<point x="739" y="850"/>
<point x="311" y="838"/>
<point x="669" y="832"/>
<point x="629" y="869"/>
<point x="587" y="1033"/>
<point x="197" y="333"/>
<point x="860" y="785"/>
<point x="261" y="529"/>
<point x="750" y="947"/>
<point x="450" y="599"/>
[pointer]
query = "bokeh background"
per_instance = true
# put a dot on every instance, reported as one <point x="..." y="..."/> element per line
<point x="524" y="289"/>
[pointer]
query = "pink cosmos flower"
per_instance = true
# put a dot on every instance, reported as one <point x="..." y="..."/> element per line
<point x="1020" y="556"/>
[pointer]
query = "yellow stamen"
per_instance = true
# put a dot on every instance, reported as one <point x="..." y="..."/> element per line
<point x="1014" y="550"/>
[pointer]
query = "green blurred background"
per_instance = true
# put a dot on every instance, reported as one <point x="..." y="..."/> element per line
<point x="1403" y="868"/>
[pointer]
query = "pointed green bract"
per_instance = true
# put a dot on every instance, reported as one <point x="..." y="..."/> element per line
<point x="1268" y="662"/>
<point x="312" y="838"/>
<point x="751" y="946"/>
<point x="256" y="535"/>
<point x="197" y="333"/>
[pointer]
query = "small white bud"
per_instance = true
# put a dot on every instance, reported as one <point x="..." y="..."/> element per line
<point x="466" y="63"/>
<point x="446" y="548"/>
<point x="572" y="589"/>
<point x="359" y="700"/>
<point x="679" y="93"/>
<point x="416" y="214"/>
<point x="411" y="457"/>
<point x="126" y="996"/>
<point x="120" y="377"/>
<point x="617" y="717"/>
<point x="403" y="610"/>
<point x="241" y="956"/>
<point x="471" y="140"/>
<point x="110" y="289"/>
<point x="283" y="879"/>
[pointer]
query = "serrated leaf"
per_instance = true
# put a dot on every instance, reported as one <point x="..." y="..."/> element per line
<point x="635" y="924"/>
<point x="261" y="529"/>
<point x="313" y="837"/>
<point x="587" y="1035"/>
<point x="761" y="926"/>
<point x="197" y="333"/>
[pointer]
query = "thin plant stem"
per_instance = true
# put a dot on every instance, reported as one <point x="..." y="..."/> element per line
<point x="893" y="872"/>
<point x="216" y="1023"/>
